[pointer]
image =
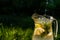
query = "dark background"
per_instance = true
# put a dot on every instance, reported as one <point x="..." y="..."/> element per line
<point x="28" y="7"/>
<point x="19" y="12"/>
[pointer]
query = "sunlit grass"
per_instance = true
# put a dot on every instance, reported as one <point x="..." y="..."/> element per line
<point x="13" y="33"/>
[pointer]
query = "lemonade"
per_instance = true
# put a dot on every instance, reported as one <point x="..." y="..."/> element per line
<point x="43" y="28"/>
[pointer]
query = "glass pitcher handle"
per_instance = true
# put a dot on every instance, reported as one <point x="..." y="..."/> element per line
<point x="56" y="29"/>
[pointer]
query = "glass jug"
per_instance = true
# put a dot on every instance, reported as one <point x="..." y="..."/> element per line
<point x="46" y="27"/>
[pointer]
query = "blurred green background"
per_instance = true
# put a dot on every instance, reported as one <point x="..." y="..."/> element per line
<point x="15" y="17"/>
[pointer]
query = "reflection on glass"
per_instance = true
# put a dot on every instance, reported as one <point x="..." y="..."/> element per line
<point x="43" y="27"/>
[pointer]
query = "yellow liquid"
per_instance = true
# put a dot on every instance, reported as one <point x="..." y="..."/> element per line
<point x="39" y="31"/>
